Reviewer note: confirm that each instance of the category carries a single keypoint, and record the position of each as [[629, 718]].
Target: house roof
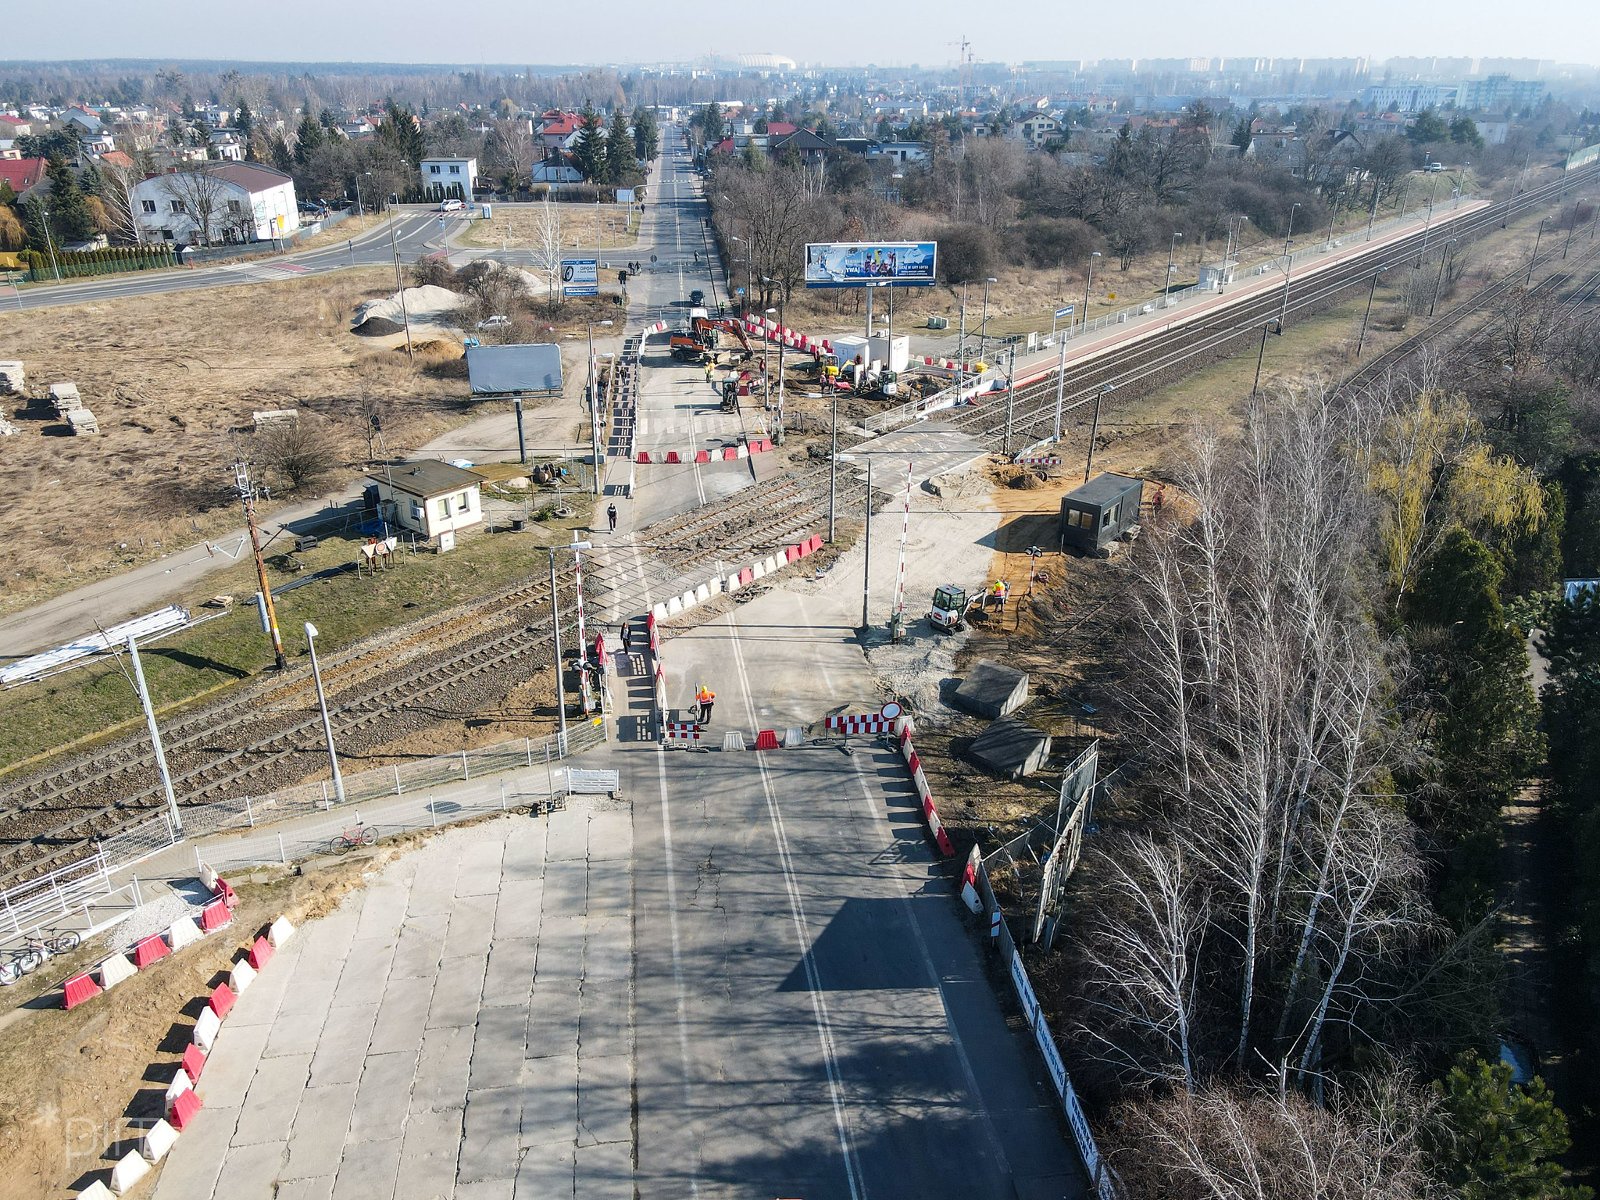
[[118, 159], [562, 125], [252, 177], [427, 478], [22, 173], [10, 120], [1103, 489], [780, 128], [800, 139]]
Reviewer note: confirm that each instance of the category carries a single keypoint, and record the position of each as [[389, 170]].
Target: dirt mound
[[423, 305], [378, 327], [439, 350]]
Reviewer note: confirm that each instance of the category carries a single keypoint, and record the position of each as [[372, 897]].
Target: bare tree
[[371, 410], [509, 152], [199, 194], [121, 206], [547, 249], [297, 452]]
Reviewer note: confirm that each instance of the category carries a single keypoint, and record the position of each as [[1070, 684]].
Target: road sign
[[738, 291], [1065, 312], [890, 711]]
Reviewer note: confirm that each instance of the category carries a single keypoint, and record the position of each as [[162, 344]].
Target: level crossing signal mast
[[246, 488]]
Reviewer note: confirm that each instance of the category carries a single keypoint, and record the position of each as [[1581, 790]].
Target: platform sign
[[1066, 312], [580, 276], [871, 264]]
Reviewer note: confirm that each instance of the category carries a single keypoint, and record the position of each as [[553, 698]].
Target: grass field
[[583, 227], [97, 701]]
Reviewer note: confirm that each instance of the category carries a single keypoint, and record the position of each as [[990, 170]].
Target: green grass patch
[[97, 701]]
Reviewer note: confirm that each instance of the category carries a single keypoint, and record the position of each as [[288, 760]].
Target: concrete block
[[115, 969], [757, 571], [702, 593], [280, 932], [1010, 748], [991, 690], [130, 1169], [771, 563], [183, 932], [206, 1028], [674, 606], [158, 1139], [180, 1083], [242, 976], [95, 1191]]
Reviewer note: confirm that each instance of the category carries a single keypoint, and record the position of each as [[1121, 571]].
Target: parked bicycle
[[34, 954], [356, 835]]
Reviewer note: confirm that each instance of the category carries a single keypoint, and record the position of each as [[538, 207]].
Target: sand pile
[[433, 306]]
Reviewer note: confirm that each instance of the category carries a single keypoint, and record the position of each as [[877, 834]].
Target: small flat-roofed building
[[429, 497], [1101, 511]]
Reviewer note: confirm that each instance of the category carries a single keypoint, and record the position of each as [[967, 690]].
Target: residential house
[[15, 127], [23, 174], [810, 148], [234, 202], [557, 168], [85, 123], [899, 152], [441, 175], [358, 128], [429, 497], [227, 145], [1035, 131], [118, 160], [8, 148], [559, 130]]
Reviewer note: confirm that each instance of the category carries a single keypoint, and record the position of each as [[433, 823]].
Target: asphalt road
[[415, 232]]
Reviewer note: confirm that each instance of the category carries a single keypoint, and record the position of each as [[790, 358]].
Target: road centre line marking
[[819, 1007]]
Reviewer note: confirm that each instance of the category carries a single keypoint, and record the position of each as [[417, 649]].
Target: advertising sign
[[580, 276], [871, 264], [1583, 157]]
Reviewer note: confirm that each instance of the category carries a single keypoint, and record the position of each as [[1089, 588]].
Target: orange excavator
[[698, 343]]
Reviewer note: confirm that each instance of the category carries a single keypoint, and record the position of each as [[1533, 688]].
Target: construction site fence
[[1320, 244], [1022, 986]]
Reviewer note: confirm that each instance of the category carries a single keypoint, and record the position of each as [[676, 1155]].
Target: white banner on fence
[[1019, 980]]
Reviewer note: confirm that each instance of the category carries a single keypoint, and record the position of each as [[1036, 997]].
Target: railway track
[[270, 736]]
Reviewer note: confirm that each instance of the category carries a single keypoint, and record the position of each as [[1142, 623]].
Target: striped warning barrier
[[78, 989], [858, 723], [903, 727], [683, 731], [1037, 460]]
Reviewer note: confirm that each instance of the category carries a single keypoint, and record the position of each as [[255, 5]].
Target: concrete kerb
[[903, 728]]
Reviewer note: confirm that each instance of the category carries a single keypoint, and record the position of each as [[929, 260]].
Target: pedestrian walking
[[611, 517], [627, 637], [704, 697]]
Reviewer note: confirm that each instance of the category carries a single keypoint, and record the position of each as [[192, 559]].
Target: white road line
[[677, 962], [797, 912], [694, 444]]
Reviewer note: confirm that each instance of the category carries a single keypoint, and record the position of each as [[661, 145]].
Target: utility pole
[[247, 496], [522, 444], [155, 737], [555, 622], [1094, 429], [1572, 228], [833, 467], [1438, 283], [1061, 388], [961, 343], [1011, 367], [1534, 257], [322, 703], [866, 568], [1261, 356], [1371, 292]]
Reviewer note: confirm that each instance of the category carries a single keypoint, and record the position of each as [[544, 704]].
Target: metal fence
[[946, 397]]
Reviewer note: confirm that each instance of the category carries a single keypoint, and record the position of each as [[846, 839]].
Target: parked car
[[450, 205], [494, 322], [697, 298]]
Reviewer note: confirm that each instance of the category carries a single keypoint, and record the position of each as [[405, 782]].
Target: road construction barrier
[[1037, 460], [683, 731], [115, 969], [96, 1191], [194, 1062], [158, 1139], [78, 989], [222, 1000], [767, 739], [758, 570], [279, 932], [793, 738], [208, 876], [130, 1169], [183, 932], [733, 740], [180, 1084], [260, 953], [771, 564], [206, 1027], [150, 950], [215, 915], [184, 1110], [242, 976], [903, 727], [848, 723]]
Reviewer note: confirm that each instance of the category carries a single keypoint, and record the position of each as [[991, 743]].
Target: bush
[[297, 452], [1052, 242], [966, 253]]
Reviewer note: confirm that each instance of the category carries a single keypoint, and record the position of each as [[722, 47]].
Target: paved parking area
[[461, 1027]]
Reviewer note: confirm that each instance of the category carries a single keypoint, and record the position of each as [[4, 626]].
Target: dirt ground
[[81, 1086], [174, 380], [583, 227]]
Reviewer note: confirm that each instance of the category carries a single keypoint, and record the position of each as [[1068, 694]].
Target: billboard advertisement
[[580, 276], [869, 264]]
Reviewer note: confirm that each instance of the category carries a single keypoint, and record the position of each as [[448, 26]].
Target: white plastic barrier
[[184, 932], [130, 1169], [758, 570], [674, 606], [280, 932], [115, 969], [241, 977], [95, 1191], [206, 1028], [702, 593], [158, 1139], [180, 1084], [208, 876]]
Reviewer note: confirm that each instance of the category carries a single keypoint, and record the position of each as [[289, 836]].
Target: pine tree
[[309, 139], [245, 120], [646, 136], [402, 132], [70, 218], [589, 153], [1503, 1141], [619, 151]]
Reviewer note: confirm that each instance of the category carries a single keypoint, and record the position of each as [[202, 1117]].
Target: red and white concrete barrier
[[848, 723], [903, 727]]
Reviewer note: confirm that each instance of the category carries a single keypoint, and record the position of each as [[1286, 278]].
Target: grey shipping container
[[1101, 511]]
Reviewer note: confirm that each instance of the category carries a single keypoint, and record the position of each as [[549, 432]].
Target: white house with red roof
[[12, 126], [23, 174], [560, 130]]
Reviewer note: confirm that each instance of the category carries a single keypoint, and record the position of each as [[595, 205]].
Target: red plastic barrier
[[643, 456], [228, 895], [184, 1109], [78, 989], [672, 457], [194, 1061], [914, 764], [767, 739], [260, 953], [816, 542], [745, 576], [222, 1000], [702, 456], [215, 915], [152, 949], [729, 454], [803, 549]]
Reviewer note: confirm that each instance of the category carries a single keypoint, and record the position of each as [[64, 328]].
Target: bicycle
[[356, 835], [34, 954]]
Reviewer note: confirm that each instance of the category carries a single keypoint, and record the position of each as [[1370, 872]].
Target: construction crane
[[964, 68]]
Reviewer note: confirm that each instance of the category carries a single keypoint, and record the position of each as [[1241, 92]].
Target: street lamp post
[[1573, 227], [1438, 283], [1094, 427], [594, 405], [50, 242], [1166, 286], [1087, 284], [394, 249], [1461, 184], [749, 272], [360, 210], [322, 703]]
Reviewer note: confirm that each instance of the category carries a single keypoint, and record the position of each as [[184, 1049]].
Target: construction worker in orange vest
[[997, 594], [704, 697]]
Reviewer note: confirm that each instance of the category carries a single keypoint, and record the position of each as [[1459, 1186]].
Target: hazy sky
[[839, 32]]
